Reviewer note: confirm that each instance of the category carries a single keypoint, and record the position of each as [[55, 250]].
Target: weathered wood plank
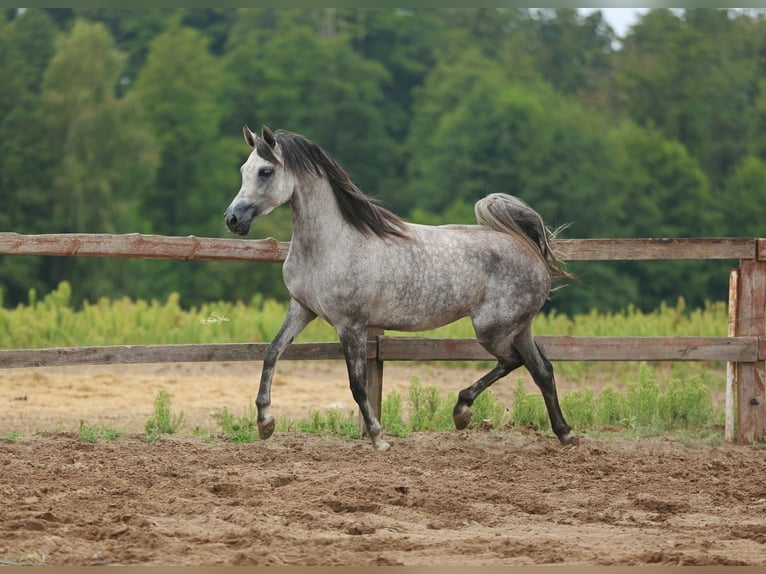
[[655, 249], [191, 248], [739, 349], [374, 376], [751, 321], [761, 249], [136, 245], [131, 354], [736, 349], [731, 368]]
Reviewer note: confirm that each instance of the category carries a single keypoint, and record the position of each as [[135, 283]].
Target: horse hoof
[[381, 445], [569, 440], [266, 428], [462, 416]]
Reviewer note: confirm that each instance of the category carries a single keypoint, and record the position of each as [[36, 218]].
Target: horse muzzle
[[238, 217]]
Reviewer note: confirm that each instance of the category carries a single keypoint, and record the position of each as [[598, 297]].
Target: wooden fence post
[[731, 367], [374, 377], [751, 321]]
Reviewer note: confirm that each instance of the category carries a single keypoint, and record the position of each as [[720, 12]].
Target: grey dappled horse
[[357, 265]]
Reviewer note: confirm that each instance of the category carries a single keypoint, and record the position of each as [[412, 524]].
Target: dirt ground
[[455, 498]]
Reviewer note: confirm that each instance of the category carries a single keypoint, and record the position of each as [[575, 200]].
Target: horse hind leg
[[461, 414], [353, 341], [541, 370]]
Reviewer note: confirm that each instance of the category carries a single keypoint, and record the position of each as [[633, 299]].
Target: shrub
[[579, 408], [642, 399], [610, 407], [529, 409], [238, 429], [163, 420], [391, 415]]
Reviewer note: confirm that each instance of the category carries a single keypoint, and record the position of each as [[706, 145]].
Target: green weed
[[163, 421], [88, 433], [392, 416], [12, 436], [611, 409], [330, 422], [487, 410], [427, 411], [642, 399], [238, 429], [579, 408], [685, 404], [528, 409]]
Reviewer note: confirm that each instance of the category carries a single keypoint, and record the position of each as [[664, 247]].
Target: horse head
[[265, 182]]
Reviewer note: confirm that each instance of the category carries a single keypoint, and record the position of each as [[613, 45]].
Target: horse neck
[[315, 213]]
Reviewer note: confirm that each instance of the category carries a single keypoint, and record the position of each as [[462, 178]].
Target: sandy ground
[[122, 396], [455, 498]]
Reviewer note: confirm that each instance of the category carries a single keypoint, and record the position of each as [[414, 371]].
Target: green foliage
[[330, 422], [178, 90], [486, 409], [579, 408], [611, 409], [642, 399], [685, 404], [163, 421], [12, 436], [392, 415], [89, 433], [528, 409], [240, 429], [427, 411], [650, 406]]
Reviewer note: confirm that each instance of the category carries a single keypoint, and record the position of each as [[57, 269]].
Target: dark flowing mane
[[304, 157]]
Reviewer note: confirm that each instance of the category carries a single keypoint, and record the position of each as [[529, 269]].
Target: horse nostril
[[232, 219]]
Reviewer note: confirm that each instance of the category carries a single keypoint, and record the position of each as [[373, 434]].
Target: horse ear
[[268, 137], [250, 137]]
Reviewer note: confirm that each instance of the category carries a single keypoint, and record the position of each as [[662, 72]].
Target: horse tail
[[509, 214]]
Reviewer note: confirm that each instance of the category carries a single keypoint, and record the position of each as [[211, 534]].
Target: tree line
[[119, 121]]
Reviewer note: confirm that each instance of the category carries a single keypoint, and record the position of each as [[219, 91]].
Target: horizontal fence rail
[[744, 349], [191, 248], [730, 349]]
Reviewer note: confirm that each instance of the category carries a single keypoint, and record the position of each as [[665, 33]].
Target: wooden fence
[[744, 349]]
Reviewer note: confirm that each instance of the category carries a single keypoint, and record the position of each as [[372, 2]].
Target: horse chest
[[311, 282]]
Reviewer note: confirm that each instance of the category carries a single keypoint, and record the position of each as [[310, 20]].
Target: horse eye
[[265, 172]]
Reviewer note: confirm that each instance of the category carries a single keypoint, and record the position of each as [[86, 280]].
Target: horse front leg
[[354, 343], [295, 321]]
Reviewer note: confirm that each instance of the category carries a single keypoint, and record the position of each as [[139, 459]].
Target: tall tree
[[179, 92], [25, 44], [296, 79], [101, 154], [573, 52], [692, 76], [133, 30]]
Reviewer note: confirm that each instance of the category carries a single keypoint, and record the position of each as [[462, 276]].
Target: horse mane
[[304, 157]]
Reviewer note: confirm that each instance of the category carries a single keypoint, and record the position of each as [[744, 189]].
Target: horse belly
[[426, 303]]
